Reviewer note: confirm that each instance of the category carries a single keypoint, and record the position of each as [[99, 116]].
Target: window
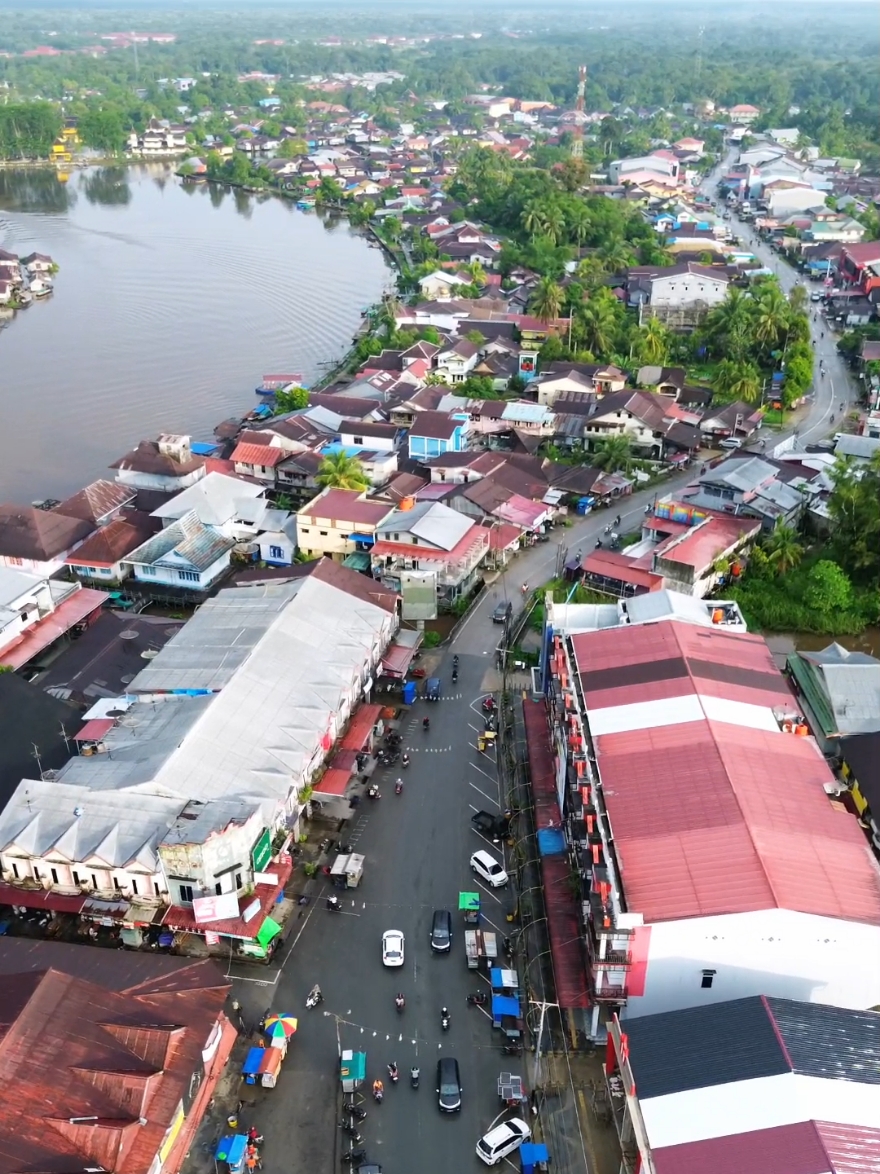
[[15, 871], [116, 885], [188, 576], [148, 570], [94, 881], [14, 562], [186, 894], [358, 439], [156, 890], [276, 552], [218, 888], [304, 529], [707, 979], [54, 872], [134, 887], [323, 533], [36, 872], [238, 880]]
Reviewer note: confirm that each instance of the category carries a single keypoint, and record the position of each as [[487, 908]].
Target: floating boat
[[269, 384]]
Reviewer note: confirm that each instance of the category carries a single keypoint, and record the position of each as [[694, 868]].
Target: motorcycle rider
[[426, 723], [378, 1089], [399, 1001], [393, 1071]]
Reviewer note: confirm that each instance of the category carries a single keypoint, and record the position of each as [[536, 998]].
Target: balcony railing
[[605, 993]]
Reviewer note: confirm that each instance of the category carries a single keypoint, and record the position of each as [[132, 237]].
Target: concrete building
[[339, 522]]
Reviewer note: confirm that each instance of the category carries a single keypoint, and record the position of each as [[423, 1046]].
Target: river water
[[170, 303]]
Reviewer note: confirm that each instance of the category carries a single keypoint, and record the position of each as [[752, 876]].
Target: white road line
[[489, 921], [483, 793], [488, 892], [491, 778]]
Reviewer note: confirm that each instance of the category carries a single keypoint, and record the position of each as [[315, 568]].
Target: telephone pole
[[577, 144]]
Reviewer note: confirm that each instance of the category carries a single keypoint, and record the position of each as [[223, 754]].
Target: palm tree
[[771, 316], [612, 454], [340, 470], [616, 255], [797, 299], [547, 300], [654, 341], [734, 380], [783, 549], [731, 316], [532, 219], [597, 326], [579, 224], [553, 223]]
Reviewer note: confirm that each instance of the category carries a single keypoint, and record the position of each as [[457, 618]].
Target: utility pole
[[577, 144]]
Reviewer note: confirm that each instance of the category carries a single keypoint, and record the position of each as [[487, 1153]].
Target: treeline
[[28, 130]]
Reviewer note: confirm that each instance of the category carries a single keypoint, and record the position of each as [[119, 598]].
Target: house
[[339, 522], [36, 612], [367, 434], [454, 363], [738, 420], [758, 1084], [839, 691], [99, 503], [428, 539], [648, 421], [186, 555], [441, 285], [100, 559], [259, 455], [432, 434], [238, 510], [39, 540], [167, 464], [38, 263], [859, 268], [751, 487], [685, 908], [743, 114], [576, 380], [682, 294], [120, 1108]]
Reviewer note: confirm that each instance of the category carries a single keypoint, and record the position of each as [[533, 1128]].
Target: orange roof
[[266, 455]]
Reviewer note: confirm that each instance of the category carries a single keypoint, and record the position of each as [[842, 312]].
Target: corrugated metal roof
[[265, 455], [788, 1149], [186, 540], [836, 1043]]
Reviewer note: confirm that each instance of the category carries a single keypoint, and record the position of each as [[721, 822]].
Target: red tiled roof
[[259, 454], [333, 782], [346, 506], [612, 565], [94, 730], [70, 612], [41, 899], [361, 724]]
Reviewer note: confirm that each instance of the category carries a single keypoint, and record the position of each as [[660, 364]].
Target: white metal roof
[[675, 711], [214, 499], [723, 1109]]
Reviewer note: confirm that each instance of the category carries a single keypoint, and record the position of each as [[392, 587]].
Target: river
[[171, 301]]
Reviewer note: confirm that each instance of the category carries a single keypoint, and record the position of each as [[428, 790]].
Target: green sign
[[261, 853]]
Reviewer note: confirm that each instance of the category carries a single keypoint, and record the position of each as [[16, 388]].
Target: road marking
[[488, 892], [491, 778], [488, 798], [497, 929]]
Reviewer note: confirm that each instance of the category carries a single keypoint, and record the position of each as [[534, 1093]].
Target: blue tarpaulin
[[505, 1005], [551, 842], [231, 1149], [530, 1154]]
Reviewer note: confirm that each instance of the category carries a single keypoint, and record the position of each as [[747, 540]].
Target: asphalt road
[[417, 847]]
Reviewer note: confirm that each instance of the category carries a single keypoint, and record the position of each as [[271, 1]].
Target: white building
[[186, 555], [683, 285], [716, 865], [166, 464]]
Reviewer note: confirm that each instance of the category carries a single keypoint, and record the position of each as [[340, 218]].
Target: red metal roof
[[94, 730], [70, 612], [615, 566], [710, 539], [397, 659], [787, 1149], [358, 733], [41, 899], [344, 760], [345, 506], [267, 455], [569, 975], [333, 782], [713, 818]]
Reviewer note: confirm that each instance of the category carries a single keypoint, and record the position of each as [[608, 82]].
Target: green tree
[[103, 129], [771, 316], [784, 552], [290, 148], [654, 341], [738, 381], [329, 191], [291, 399], [597, 326], [854, 509], [612, 454], [340, 470], [828, 588], [547, 300]]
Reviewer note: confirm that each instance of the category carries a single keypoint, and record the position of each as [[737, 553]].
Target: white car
[[486, 866], [730, 442], [392, 947], [502, 1140]]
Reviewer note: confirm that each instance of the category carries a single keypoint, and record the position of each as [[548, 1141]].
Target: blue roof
[[505, 1005], [202, 449], [551, 842]]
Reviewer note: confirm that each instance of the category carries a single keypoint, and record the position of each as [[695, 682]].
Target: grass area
[[779, 604]]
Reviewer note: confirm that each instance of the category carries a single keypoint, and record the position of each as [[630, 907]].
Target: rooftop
[[97, 501], [434, 426], [214, 498], [39, 535], [715, 810], [344, 505], [185, 542]]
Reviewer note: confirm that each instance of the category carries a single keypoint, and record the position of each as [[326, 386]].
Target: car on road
[[441, 931], [502, 1140], [730, 442], [487, 867], [392, 947], [448, 1085], [502, 612], [815, 296]]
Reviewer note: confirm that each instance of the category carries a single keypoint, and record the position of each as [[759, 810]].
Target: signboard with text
[[261, 853]]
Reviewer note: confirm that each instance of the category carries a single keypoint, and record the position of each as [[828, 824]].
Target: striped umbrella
[[280, 1026]]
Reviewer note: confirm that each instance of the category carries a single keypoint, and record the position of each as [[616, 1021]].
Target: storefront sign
[[261, 853]]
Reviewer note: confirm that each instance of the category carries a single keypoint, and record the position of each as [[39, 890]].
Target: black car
[[441, 931], [502, 613], [448, 1085], [493, 827]]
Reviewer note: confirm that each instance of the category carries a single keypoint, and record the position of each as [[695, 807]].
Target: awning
[[358, 733], [551, 842], [41, 899], [397, 659], [334, 782], [99, 910], [95, 730], [505, 1005], [358, 560], [367, 539], [344, 760]]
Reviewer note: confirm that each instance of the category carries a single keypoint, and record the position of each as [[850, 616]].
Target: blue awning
[[551, 842], [505, 1005], [367, 539], [231, 1148]]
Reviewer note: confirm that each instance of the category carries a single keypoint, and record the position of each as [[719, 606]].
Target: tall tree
[[612, 454], [547, 300], [783, 549], [654, 341], [740, 381], [597, 326], [340, 470]]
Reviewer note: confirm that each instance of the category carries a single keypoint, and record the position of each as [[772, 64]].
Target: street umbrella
[[280, 1026]]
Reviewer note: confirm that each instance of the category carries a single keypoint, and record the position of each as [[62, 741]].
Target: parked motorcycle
[[512, 1049], [350, 1131], [355, 1111], [478, 999], [354, 1156], [373, 792], [444, 1019]]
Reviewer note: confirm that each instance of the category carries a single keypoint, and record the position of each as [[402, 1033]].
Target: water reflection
[[39, 190], [244, 205], [107, 185], [217, 194]]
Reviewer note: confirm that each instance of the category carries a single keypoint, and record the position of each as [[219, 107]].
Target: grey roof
[[14, 584], [852, 684], [83, 825], [198, 821], [857, 446], [430, 521], [185, 541], [214, 499], [743, 473]]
